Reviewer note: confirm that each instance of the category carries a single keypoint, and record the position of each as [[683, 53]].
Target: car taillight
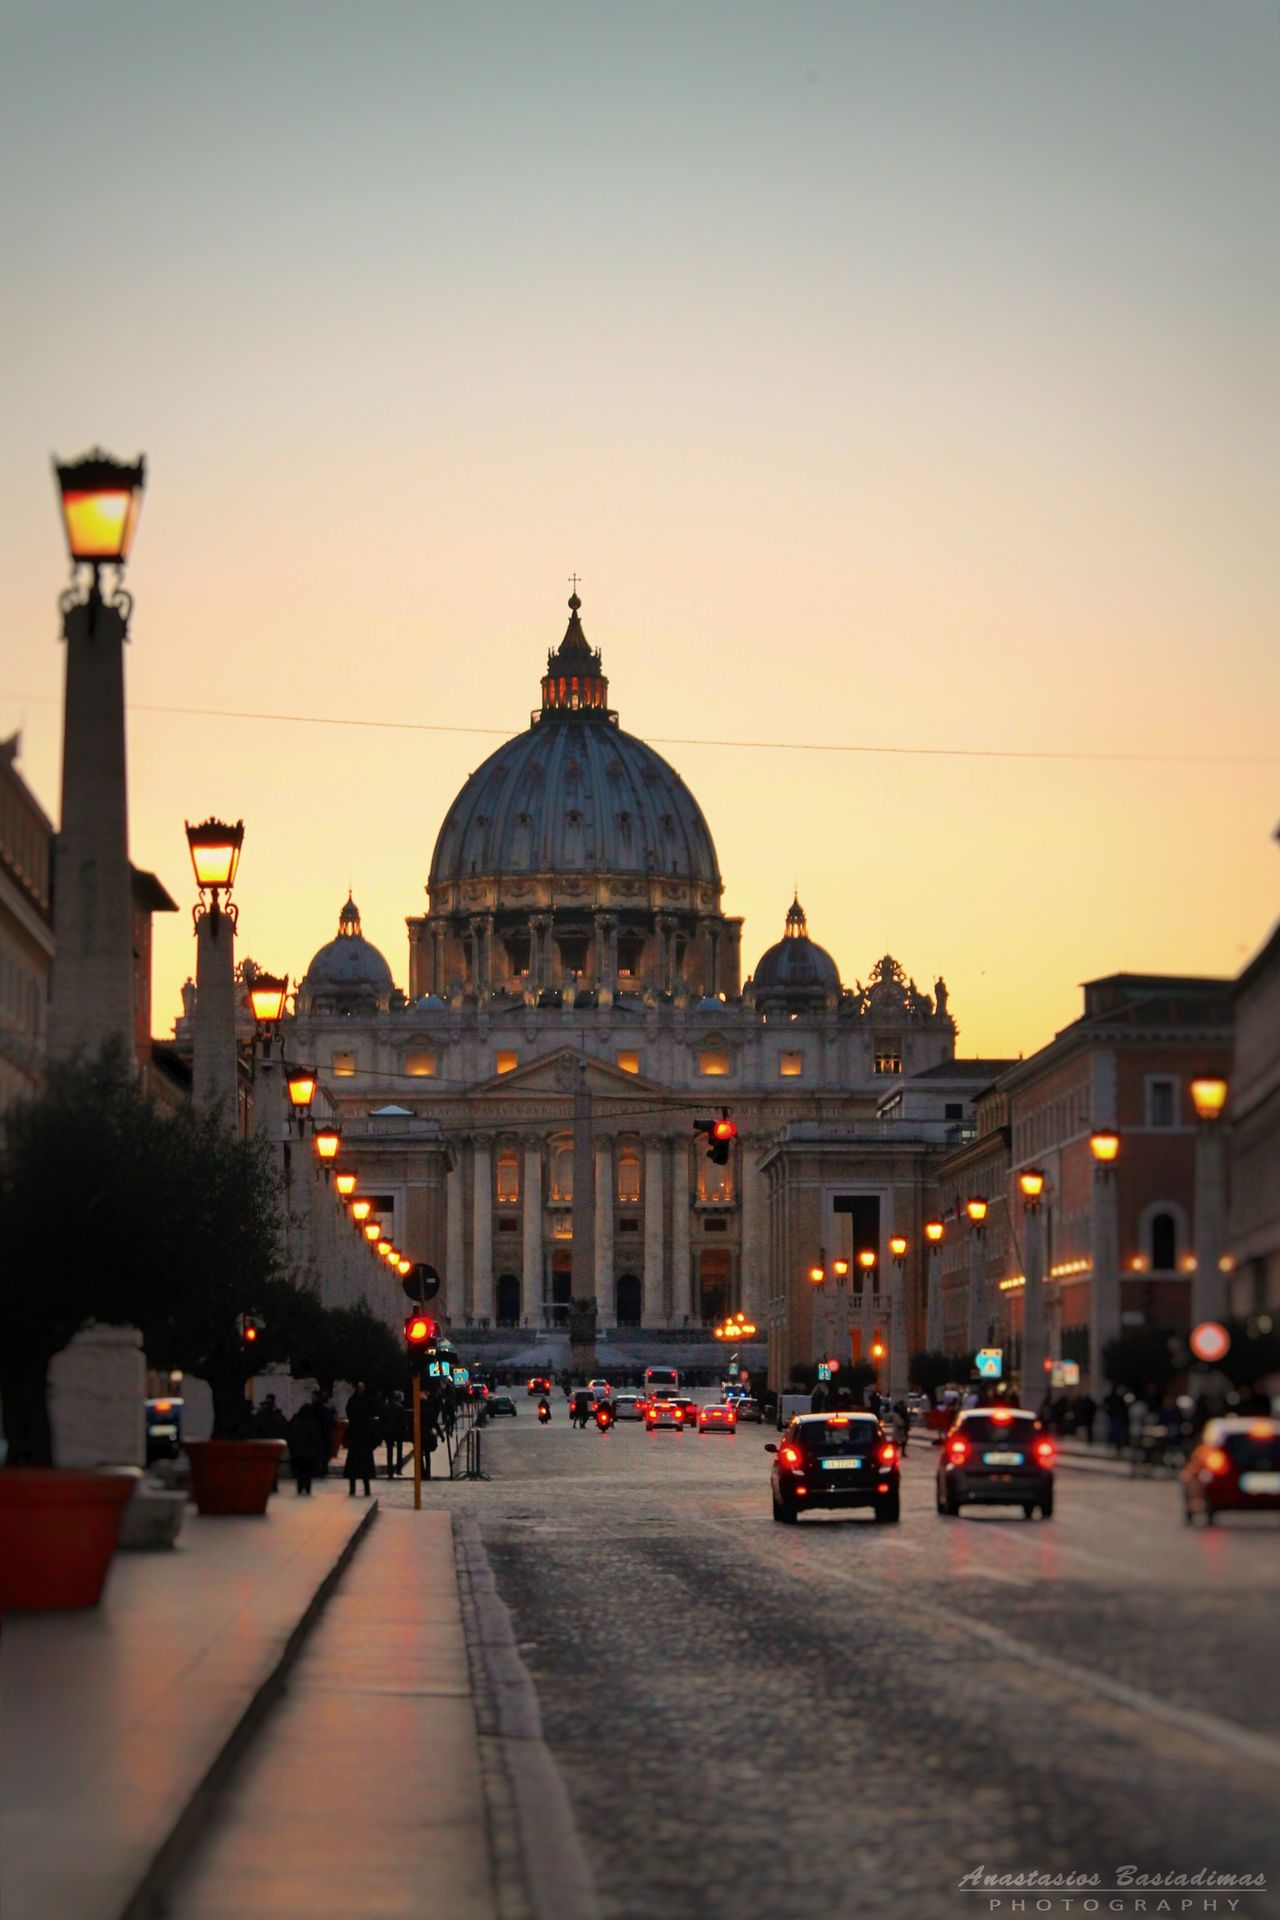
[[790, 1455], [1044, 1452], [1216, 1461], [888, 1454], [958, 1450]]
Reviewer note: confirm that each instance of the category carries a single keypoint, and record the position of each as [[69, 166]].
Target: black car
[[164, 1429], [500, 1403], [834, 1460], [996, 1457]]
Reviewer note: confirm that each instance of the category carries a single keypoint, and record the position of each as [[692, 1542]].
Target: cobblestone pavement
[[751, 1719]]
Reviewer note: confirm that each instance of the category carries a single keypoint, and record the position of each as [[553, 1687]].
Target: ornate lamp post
[[898, 1381], [866, 1259], [1209, 1283], [215, 858], [300, 1085], [326, 1141], [92, 991], [1031, 1186], [1104, 1305], [345, 1184], [976, 1209], [935, 1334]]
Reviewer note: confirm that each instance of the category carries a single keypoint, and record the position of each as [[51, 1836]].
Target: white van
[[790, 1404]]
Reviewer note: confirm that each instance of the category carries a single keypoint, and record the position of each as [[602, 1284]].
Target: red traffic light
[[725, 1129], [250, 1334], [419, 1330]]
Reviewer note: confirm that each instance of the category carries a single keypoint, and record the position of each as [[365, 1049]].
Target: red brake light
[[888, 1454], [163, 1406], [958, 1450], [791, 1455], [838, 1420], [1044, 1451], [1216, 1460]]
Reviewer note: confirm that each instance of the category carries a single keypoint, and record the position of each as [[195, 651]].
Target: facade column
[[486, 965], [976, 1335], [531, 1285], [213, 1024], [605, 1288], [682, 1312], [752, 1263], [454, 1289], [654, 1311], [482, 1231]]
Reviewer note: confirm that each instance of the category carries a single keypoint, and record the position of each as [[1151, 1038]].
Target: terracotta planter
[[58, 1530], [233, 1476]]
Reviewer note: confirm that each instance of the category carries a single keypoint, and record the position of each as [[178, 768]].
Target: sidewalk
[[111, 1720], [363, 1796]]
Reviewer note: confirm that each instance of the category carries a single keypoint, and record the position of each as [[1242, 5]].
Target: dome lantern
[[575, 681]]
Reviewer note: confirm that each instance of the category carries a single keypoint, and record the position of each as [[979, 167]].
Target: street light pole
[[935, 1333], [1209, 1284], [898, 1359], [1032, 1383], [1104, 1314], [215, 857], [976, 1209]]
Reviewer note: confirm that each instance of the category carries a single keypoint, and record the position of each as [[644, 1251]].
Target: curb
[[540, 1869], [146, 1902]]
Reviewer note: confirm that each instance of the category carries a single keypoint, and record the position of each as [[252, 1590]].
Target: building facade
[[26, 929]]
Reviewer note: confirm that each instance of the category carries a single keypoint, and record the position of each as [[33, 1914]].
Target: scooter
[[544, 1413], [604, 1417]]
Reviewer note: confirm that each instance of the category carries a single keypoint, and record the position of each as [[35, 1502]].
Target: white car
[[628, 1406]]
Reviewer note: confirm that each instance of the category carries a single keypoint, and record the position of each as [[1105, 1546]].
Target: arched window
[[1164, 1243], [508, 1176], [562, 1170], [628, 1169]]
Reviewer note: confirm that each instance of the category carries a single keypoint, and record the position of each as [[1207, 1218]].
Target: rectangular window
[[508, 1062], [344, 1065], [888, 1059], [1162, 1103], [628, 1177], [715, 1184], [715, 1224], [629, 1062], [790, 1065], [508, 1178], [420, 1062], [954, 1110], [713, 1062], [629, 1226], [507, 1224]]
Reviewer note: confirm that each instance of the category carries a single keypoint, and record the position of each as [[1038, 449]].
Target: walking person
[[900, 1426], [362, 1437], [306, 1443], [328, 1415]]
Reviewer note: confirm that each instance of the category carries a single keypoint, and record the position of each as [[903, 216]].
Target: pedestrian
[[1087, 1409], [362, 1437], [306, 1442], [393, 1420], [901, 1426], [269, 1422], [328, 1423]]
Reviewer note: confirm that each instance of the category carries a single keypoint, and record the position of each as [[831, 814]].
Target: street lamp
[[867, 1260], [327, 1140], [934, 1332], [360, 1211], [373, 1231], [215, 856], [898, 1246], [840, 1268], [1209, 1287], [1104, 1312], [404, 1268], [976, 1208], [101, 501], [1031, 1186], [898, 1382], [300, 1083], [817, 1274], [345, 1184]]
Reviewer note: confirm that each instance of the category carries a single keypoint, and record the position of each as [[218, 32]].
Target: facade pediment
[[558, 1073]]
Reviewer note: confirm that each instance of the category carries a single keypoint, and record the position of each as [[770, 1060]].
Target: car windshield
[[985, 1428], [839, 1436]]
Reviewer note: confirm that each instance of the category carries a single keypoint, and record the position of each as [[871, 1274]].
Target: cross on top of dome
[[574, 681]]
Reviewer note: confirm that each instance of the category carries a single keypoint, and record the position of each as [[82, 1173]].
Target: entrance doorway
[[715, 1275], [508, 1302], [629, 1300]]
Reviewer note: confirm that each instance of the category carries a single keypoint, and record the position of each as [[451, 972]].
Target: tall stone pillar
[[681, 1256], [213, 1035], [91, 998], [482, 1231], [898, 1356], [454, 1289], [976, 1334], [539, 950], [1034, 1380], [531, 1286], [1104, 1294], [655, 1308], [935, 1336], [753, 1261], [604, 1288]]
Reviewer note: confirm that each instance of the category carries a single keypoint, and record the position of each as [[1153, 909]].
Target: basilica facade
[[522, 1109]]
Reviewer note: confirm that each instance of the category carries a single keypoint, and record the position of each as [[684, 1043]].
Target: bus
[[662, 1381]]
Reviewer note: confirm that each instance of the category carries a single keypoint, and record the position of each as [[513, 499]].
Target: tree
[[930, 1368], [351, 1343]]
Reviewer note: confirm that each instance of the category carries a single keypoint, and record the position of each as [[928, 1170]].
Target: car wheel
[[784, 1513], [1208, 1515], [888, 1512], [1046, 1507], [1028, 1509], [953, 1505], [1188, 1517]]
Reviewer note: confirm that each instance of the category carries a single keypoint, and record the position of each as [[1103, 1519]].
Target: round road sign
[[1210, 1341]]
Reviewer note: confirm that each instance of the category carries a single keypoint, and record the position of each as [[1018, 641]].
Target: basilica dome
[[349, 974], [796, 972], [574, 794]]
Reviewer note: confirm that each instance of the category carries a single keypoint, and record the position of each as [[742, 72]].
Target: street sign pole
[[417, 1444]]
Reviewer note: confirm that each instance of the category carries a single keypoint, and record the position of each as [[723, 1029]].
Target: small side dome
[[795, 973], [349, 975]]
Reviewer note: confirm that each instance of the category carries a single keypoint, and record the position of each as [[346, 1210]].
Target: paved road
[[751, 1719]]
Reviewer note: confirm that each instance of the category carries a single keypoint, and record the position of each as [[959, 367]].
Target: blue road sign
[[990, 1363]]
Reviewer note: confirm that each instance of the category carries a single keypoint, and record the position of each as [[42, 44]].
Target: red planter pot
[[58, 1530], [233, 1476]]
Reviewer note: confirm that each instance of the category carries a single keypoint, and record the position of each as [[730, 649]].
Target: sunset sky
[[895, 376]]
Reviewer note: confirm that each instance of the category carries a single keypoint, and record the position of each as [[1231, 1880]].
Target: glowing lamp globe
[[301, 1082], [1031, 1183], [817, 1275], [898, 1245], [372, 1231], [933, 1231], [1209, 1097], [840, 1268], [101, 500], [267, 997], [327, 1141], [866, 1259], [404, 1268], [976, 1209], [1104, 1146], [345, 1183], [360, 1211], [215, 852]]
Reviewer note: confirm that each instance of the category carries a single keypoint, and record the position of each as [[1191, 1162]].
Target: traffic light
[[720, 1134], [420, 1339], [252, 1327]]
